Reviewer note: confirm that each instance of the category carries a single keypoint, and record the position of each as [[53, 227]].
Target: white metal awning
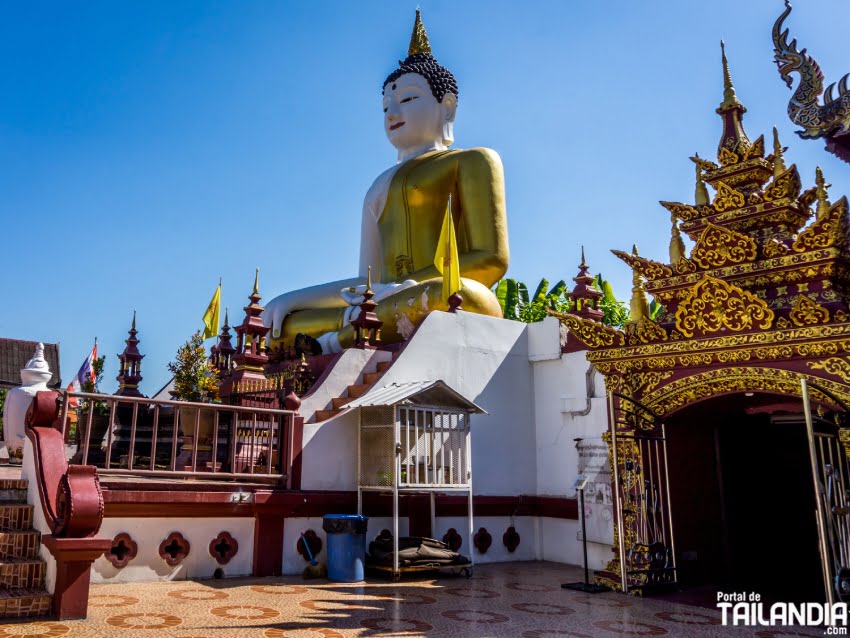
[[430, 393]]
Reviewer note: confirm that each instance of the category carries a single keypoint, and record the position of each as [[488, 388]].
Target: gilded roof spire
[[729, 97], [823, 199], [638, 306], [778, 161], [677, 245], [734, 142], [701, 197], [419, 38], [257, 281]]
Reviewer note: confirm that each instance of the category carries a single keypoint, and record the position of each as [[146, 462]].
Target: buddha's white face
[[413, 118]]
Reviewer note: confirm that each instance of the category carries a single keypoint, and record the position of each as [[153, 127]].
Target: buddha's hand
[[353, 296], [276, 311]]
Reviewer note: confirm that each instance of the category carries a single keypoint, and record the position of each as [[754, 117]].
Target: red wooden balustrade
[[138, 436]]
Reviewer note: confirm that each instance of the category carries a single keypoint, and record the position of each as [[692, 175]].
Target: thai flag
[[86, 373]]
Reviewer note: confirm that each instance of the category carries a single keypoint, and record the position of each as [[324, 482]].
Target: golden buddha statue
[[403, 213]]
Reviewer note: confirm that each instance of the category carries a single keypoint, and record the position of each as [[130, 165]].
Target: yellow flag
[[211, 316], [446, 259]]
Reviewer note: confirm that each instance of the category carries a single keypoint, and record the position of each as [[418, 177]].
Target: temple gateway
[[683, 449]]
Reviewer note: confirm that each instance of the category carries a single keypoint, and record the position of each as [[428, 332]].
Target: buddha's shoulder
[[482, 158]]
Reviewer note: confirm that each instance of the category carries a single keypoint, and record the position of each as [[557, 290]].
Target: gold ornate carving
[[774, 248], [714, 306], [727, 198], [828, 231], [692, 389], [727, 157], [787, 185], [644, 331], [782, 323], [718, 247], [756, 150], [682, 211], [645, 267], [592, 334], [808, 313], [836, 366], [685, 266], [841, 316]]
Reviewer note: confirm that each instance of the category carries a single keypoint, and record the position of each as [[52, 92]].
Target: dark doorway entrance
[[742, 501]]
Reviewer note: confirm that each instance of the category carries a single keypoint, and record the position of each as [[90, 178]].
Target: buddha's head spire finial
[[583, 263], [421, 60], [257, 282], [419, 38]]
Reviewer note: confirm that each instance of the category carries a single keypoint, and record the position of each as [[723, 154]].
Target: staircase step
[[358, 390], [22, 573], [371, 377], [24, 603], [383, 365], [339, 402], [13, 490], [15, 516], [19, 544], [324, 415]]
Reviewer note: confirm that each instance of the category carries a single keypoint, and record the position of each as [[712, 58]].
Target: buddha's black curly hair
[[440, 79]]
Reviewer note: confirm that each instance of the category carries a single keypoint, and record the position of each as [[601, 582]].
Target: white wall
[[486, 360], [148, 533], [560, 388], [329, 448]]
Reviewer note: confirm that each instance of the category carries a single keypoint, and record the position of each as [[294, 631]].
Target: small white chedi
[[34, 378]]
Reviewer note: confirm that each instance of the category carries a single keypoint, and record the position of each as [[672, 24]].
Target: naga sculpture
[[829, 120]]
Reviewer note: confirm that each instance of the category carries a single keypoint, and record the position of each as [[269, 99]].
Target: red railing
[[145, 437]]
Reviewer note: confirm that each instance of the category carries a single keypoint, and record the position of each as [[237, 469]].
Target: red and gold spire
[[130, 371]]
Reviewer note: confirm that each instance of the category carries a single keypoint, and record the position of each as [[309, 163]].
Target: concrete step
[[19, 544], [370, 378], [324, 415], [13, 490], [358, 390], [17, 573], [15, 516], [24, 603], [339, 402]]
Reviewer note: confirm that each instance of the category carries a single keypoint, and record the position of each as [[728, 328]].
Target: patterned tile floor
[[522, 600]]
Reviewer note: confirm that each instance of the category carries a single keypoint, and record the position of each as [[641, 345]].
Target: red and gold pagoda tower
[[130, 371], [759, 303]]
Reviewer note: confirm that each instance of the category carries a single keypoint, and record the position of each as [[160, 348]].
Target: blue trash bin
[[346, 546]]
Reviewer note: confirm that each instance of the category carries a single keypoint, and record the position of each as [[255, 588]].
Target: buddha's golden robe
[[409, 229]]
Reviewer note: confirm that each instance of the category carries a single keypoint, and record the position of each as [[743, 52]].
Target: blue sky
[[148, 148]]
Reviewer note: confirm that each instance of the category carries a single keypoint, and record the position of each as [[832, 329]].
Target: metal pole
[[620, 527], [584, 537], [396, 477], [669, 503], [816, 487], [471, 528]]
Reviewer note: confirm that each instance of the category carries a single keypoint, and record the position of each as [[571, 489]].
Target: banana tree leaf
[[540, 293], [522, 292], [557, 290], [501, 294]]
